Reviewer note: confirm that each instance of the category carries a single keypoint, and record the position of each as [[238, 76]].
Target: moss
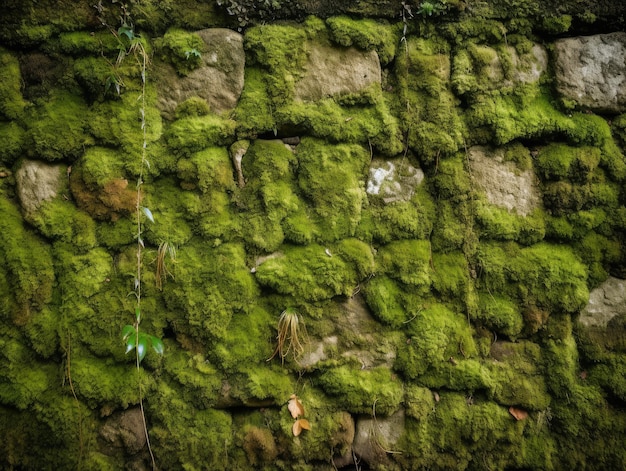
[[253, 113], [599, 253], [407, 261], [366, 34], [544, 274], [57, 128], [59, 219], [310, 273], [363, 391], [192, 107], [450, 277], [227, 288], [192, 134], [12, 141], [559, 161], [182, 49], [500, 315], [331, 177], [11, 102], [27, 262], [435, 335], [97, 77], [190, 437], [499, 224], [80, 43], [385, 298]]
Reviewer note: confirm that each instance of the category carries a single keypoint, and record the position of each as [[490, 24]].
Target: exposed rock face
[[591, 71], [37, 182], [123, 431], [219, 80], [334, 71], [377, 436], [605, 302], [502, 181], [393, 180]]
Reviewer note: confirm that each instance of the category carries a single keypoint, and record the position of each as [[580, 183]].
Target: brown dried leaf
[[519, 414], [295, 407], [300, 425]]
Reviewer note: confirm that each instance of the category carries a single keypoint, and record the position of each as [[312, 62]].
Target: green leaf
[[148, 213], [142, 345], [137, 314], [126, 31], [130, 343], [157, 344], [127, 331]]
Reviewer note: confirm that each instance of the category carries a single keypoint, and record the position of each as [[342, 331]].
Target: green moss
[[12, 141], [182, 49], [311, 273], [500, 315], [11, 102], [332, 178], [253, 113], [556, 24], [435, 335], [547, 275], [450, 276], [366, 34], [96, 76], [190, 437], [560, 161], [192, 107], [59, 219], [57, 128], [407, 261], [172, 223], [363, 391], [27, 261], [188, 135], [599, 253], [386, 300], [78, 43], [499, 224]]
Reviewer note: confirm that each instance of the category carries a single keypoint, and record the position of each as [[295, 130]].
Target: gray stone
[[219, 80], [37, 182], [375, 437], [504, 184], [591, 71], [123, 431], [393, 180], [333, 71], [605, 302]]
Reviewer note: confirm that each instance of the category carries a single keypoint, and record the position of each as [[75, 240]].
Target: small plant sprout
[[192, 53], [289, 335]]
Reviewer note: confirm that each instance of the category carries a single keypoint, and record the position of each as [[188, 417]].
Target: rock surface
[[219, 80], [37, 182], [503, 183], [592, 72], [393, 180], [337, 71], [605, 302]]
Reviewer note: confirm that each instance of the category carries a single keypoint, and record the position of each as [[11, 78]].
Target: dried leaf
[[300, 425], [295, 406], [519, 414], [436, 396]]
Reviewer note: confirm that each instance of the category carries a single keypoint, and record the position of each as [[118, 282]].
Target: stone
[[219, 80], [591, 71], [393, 180], [605, 302], [331, 71], [123, 431], [37, 182], [375, 437], [504, 184]]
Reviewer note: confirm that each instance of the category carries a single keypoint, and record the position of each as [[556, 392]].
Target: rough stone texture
[[356, 322], [605, 302], [219, 80], [591, 71], [393, 180], [505, 185], [333, 71], [525, 68], [37, 182], [123, 430], [376, 436]]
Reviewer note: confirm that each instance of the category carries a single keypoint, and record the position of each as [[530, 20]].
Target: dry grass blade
[[289, 335], [162, 271]]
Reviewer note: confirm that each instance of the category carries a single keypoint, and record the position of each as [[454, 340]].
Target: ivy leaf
[[130, 343], [157, 344], [148, 213]]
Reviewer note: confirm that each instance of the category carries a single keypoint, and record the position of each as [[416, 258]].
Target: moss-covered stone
[[366, 34]]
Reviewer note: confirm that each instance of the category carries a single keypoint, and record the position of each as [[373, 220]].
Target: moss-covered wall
[[429, 326]]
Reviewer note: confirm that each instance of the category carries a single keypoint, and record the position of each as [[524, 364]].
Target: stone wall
[[392, 240]]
